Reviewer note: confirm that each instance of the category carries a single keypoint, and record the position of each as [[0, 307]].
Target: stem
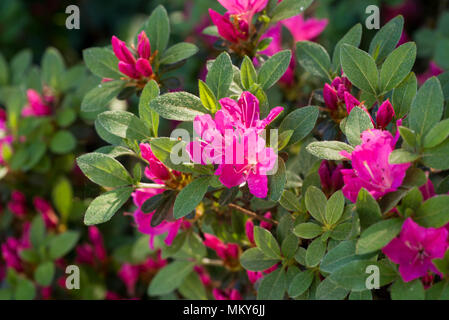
[[212, 262], [252, 214], [151, 185]]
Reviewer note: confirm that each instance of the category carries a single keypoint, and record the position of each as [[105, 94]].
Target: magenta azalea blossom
[[304, 29], [37, 106], [232, 140], [370, 166], [415, 248], [231, 28], [244, 7]]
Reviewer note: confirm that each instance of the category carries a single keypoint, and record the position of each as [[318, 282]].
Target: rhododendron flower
[[224, 251], [155, 170], [330, 176], [90, 253], [47, 212], [229, 294], [231, 140], [385, 114], [427, 190], [370, 166], [415, 248], [129, 274], [253, 276], [12, 247], [36, 106], [17, 205], [129, 65], [231, 28], [244, 7], [304, 29], [433, 71], [204, 275], [334, 94]]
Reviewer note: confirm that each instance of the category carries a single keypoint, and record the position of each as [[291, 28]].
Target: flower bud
[[144, 67], [128, 69], [385, 114], [330, 97], [143, 46], [121, 51]]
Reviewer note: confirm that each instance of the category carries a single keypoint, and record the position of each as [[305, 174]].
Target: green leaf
[[334, 208], [24, 289], [328, 289], [62, 243], [248, 73], [433, 212], [148, 115], [278, 181], [403, 95], [408, 136], [289, 246], [102, 62], [207, 97], [442, 264], [360, 295], [339, 256], [301, 121], [180, 106], [124, 124], [360, 68], [397, 66], [192, 288], [178, 52], [413, 290], [190, 196], [44, 273], [273, 286], [436, 157], [316, 203], [314, 58], [102, 208], [399, 156], [300, 283], [267, 243], [352, 275], [315, 252], [170, 277], [62, 195], [352, 37], [255, 260], [157, 29], [368, 209], [62, 142], [37, 232], [273, 69], [308, 230], [4, 71], [220, 74], [289, 8], [386, 38], [52, 68], [98, 98], [358, 121], [104, 170], [328, 150], [378, 235], [437, 134], [166, 150], [289, 201], [427, 107], [20, 64]]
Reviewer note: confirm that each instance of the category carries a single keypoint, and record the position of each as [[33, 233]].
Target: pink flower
[[155, 170], [370, 166], [334, 94], [415, 248], [385, 114], [265, 224], [253, 276], [204, 275], [11, 248], [351, 102], [231, 28], [45, 209], [85, 254], [129, 274], [330, 177], [249, 227], [153, 264], [304, 29], [36, 107], [229, 294], [129, 65], [231, 140], [427, 190], [143, 220], [17, 205], [244, 7], [97, 241], [433, 71], [224, 251], [93, 252]]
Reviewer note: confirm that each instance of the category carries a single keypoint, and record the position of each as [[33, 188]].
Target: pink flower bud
[[128, 69], [264, 224], [350, 102], [249, 227], [97, 241], [143, 46], [385, 114], [129, 274], [330, 97], [45, 209], [330, 176], [121, 51], [17, 203], [143, 66]]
